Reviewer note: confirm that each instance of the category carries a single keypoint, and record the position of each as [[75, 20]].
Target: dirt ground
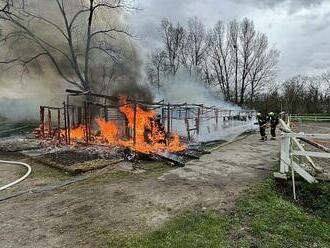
[[117, 200]]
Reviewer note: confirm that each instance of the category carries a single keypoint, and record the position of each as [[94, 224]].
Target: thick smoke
[[187, 89], [23, 89]]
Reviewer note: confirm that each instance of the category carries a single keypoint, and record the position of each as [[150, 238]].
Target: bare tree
[[233, 35], [196, 45], [232, 56], [80, 36], [247, 39], [221, 60], [158, 59], [264, 69], [173, 38], [293, 92]]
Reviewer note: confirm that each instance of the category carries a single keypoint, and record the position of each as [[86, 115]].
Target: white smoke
[[184, 88]]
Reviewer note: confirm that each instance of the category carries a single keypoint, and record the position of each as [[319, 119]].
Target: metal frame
[[91, 105]]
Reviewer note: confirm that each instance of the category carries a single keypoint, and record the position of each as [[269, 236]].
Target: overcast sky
[[300, 29]]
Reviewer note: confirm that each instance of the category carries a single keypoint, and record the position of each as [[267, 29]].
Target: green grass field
[[264, 217]]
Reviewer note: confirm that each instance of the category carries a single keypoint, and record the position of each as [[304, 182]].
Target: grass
[[191, 230], [261, 218], [314, 198], [269, 220]]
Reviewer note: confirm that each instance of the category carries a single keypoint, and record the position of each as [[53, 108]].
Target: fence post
[[285, 154], [59, 123], [42, 121], [134, 123]]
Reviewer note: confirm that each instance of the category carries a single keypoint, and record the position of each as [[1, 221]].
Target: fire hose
[[20, 179]]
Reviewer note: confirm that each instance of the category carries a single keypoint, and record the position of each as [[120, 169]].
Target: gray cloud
[[300, 29], [292, 5]]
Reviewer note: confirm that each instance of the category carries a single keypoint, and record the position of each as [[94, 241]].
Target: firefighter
[[273, 120], [262, 122]]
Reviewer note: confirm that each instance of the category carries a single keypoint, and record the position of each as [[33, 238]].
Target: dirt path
[[109, 203]]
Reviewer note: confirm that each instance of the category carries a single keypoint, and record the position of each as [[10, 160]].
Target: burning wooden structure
[[145, 127]]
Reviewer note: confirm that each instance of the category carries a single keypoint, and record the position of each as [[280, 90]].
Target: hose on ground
[[20, 179]]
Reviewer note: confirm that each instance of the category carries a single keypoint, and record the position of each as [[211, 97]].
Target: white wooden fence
[[292, 148]]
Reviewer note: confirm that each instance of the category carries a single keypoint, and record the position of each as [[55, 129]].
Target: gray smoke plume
[[184, 88], [116, 68]]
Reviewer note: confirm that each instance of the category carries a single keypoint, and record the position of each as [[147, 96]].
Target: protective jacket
[[273, 121]]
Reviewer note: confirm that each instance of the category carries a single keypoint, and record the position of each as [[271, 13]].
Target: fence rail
[[311, 117], [292, 150]]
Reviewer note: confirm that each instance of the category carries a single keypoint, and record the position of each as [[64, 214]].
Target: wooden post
[[168, 123], [163, 116], [79, 115], [49, 123], [127, 132], [285, 155], [134, 123], [68, 118], [105, 110], [68, 123], [217, 116], [293, 184], [65, 124], [198, 120], [42, 121], [86, 122], [188, 128], [90, 118], [58, 124], [73, 117]]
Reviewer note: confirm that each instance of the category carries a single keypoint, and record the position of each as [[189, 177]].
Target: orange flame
[[109, 130], [78, 133], [149, 135]]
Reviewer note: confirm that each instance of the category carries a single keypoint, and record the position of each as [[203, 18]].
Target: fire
[[109, 130], [78, 133], [149, 135]]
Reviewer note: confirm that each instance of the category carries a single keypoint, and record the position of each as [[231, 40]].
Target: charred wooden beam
[[68, 119], [168, 123], [198, 120], [58, 124], [105, 110], [170, 157], [49, 123], [86, 122], [73, 116], [42, 121], [79, 115], [65, 124], [187, 128], [90, 118], [134, 123]]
